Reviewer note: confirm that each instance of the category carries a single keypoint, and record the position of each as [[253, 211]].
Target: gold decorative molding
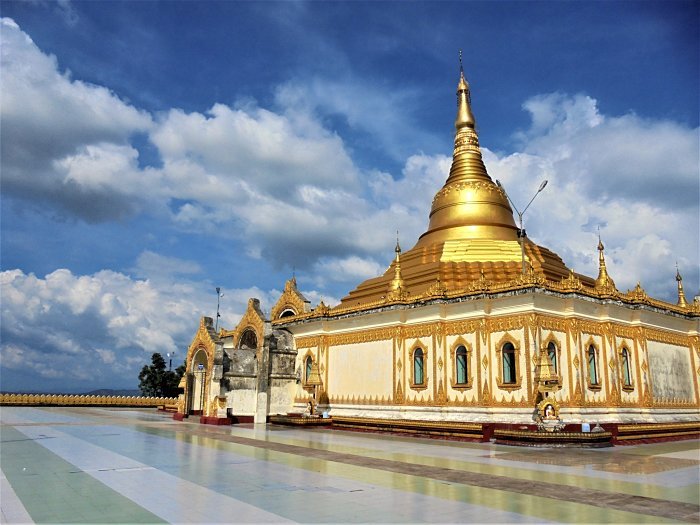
[[437, 289], [290, 302], [7, 399], [398, 396]]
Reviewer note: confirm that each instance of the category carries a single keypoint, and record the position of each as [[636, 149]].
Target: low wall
[[83, 401]]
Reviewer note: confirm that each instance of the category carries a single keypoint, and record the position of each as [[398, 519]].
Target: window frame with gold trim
[[307, 369], [626, 365], [467, 384], [598, 385], [424, 356], [517, 377]]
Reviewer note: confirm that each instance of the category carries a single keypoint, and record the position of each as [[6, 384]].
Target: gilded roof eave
[[483, 287]]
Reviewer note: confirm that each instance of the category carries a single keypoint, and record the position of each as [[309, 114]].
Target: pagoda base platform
[[300, 420], [442, 429], [535, 438]]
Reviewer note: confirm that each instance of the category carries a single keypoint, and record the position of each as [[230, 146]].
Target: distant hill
[[111, 392]]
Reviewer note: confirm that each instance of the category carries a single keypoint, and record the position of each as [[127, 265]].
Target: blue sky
[[152, 151]]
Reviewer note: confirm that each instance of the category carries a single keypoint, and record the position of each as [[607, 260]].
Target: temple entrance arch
[[198, 375]]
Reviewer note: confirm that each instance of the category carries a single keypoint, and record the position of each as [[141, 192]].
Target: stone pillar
[[262, 401]]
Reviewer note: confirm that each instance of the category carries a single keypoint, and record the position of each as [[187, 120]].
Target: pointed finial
[[396, 287], [681, 294], [604, 281], [465, 118]]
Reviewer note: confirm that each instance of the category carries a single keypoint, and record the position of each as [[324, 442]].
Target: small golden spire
[[314, 378], [545, 376], [681, 294], [604, 281], [396, 287]]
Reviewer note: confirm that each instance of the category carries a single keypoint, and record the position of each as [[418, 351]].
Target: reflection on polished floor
[[91, 465]]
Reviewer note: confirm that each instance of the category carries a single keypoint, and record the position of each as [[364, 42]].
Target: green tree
[[156, 381]]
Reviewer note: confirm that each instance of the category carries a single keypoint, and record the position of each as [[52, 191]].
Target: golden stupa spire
[[681, 294], [471, 239], [604, 281], [469, 205]]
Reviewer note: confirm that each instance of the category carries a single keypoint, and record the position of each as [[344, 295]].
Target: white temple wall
[[671, 373], [383, 368], [242, 402], [360, 369], [282, 396]]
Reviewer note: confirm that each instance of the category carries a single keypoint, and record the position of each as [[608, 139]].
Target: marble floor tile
[[104, 465]]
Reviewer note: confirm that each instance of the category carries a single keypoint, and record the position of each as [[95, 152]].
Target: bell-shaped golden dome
[[471, 234], [470, 205]]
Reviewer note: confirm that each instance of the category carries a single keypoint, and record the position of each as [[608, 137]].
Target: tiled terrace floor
[[91, 465]]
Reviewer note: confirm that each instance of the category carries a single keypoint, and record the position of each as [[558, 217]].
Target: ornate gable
[[291, 302], [253, 319], [205, 338]]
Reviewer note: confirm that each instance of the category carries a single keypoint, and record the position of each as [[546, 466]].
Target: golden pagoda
[[475, 325], [471, 230]]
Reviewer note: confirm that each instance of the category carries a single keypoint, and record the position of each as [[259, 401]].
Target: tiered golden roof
[[472, 248], [471, 231]]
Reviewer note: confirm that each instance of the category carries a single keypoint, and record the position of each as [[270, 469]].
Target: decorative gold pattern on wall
[[572, 334], [360, 400]]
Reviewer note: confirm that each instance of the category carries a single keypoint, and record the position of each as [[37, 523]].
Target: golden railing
[[7, 399]]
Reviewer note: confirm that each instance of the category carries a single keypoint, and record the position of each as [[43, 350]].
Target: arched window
[[552, 351], [287, 313], [508, 354], [307, 367], [461, 364], [625, 358], [418, 376], [593, 366]]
